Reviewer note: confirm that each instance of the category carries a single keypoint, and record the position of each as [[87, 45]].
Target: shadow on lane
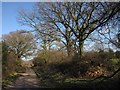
[[27, 81]]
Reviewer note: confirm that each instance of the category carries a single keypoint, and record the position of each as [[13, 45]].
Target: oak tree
[[74, 21], [21, 44]]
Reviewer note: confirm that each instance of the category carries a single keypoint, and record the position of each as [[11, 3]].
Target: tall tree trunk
[[69, 48], [80, 51], [69, 51]]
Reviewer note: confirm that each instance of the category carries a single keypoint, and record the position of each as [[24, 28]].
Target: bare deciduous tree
[[74, 21], [21, 44]]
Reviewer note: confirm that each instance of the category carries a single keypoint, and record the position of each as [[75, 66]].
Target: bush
[[92, 64], [70, 67], [117, 54], [95, 71], [50, 57]]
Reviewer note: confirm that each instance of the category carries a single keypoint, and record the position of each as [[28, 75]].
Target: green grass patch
[[115, 61]]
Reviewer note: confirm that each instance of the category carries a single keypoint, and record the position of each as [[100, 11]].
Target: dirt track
[[27, 80]]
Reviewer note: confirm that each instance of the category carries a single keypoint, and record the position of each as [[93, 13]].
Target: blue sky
[[10, 14]]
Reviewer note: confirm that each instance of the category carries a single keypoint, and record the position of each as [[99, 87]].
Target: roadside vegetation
[[69, 72]]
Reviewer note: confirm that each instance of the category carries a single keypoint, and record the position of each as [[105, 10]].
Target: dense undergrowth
[[74, 73]]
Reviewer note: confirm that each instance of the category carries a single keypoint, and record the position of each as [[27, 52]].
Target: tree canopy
[[72, 21], [21, 44]]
